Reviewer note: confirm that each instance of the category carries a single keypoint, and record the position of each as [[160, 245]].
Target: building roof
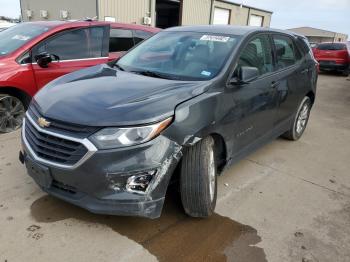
[[247, 6], [311, 31]]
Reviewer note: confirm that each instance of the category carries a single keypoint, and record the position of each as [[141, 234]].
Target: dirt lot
[[286, 202]]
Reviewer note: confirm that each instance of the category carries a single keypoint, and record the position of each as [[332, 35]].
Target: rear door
[[292, 74], [76, 49]]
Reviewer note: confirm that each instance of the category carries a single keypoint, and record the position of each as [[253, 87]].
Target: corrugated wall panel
[[78, 9], [266, 16], [239, 16], [196, 12], [126, 11]]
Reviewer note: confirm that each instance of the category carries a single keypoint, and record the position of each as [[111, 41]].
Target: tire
[[300, 121], [198, 179], [12, 111], [345, 72]]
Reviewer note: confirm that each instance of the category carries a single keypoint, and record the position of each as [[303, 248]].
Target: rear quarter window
[[140, 35], [120, 40]]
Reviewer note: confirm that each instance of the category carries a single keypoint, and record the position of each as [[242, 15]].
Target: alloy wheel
[[302, 118], [11, 113]]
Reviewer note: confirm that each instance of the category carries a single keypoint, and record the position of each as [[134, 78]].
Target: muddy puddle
[[172, 237]]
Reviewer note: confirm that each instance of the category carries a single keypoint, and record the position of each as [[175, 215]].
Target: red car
[[33, 54], [333, 56]]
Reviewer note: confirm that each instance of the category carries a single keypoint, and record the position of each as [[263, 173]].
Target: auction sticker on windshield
[[215, 38]]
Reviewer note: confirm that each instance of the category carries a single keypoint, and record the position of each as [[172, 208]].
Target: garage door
[[256, 20], [221, 16]]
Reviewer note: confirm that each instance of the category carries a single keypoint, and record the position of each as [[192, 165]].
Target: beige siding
[[87, 8], [266, 16], [238, 15], [126, 11], [196, 12]]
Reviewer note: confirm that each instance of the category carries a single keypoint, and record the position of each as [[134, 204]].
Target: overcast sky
[[333, 15]]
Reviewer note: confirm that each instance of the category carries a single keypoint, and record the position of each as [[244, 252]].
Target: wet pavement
[[286, 202], [172, 237]]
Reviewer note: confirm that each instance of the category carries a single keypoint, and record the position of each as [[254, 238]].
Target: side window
[[120, 40], [285, 51], [69, 45], [139, 36], [257, 53]]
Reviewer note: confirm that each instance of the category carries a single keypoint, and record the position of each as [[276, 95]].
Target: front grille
[[52, 148], [62, 127]]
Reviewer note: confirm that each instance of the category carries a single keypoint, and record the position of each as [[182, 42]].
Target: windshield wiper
[[119, 67], [154, 74]]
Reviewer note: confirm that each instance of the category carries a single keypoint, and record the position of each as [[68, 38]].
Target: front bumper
[[98, 184]]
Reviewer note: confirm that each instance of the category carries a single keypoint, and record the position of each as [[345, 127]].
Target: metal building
[[316, 35], [160, 13]]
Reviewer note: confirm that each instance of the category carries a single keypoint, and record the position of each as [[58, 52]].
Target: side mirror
[[246, 74], [44, 59]]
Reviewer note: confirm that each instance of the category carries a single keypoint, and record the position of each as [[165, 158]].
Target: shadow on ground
[[172, 237]]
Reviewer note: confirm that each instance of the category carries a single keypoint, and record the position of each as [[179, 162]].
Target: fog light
[[140, 182]]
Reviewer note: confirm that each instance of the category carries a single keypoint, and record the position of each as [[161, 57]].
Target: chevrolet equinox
[[196, 99]]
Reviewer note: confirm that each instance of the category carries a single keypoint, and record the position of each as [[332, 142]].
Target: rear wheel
[[301, 119], [345, 72], [198, 181], [12, 111]]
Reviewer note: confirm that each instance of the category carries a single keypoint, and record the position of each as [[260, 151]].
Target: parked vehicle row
[[194, 99], [33, 54]]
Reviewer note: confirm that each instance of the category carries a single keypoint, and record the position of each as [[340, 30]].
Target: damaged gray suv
[[193, 99]]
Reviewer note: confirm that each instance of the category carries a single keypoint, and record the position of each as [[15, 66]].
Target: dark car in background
[[33, 54], [194, 99], [333, 57]]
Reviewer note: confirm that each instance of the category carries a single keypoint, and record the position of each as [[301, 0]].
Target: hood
[[103, 96]]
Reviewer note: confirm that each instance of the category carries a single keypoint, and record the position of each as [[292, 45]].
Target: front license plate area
[[41, 174]]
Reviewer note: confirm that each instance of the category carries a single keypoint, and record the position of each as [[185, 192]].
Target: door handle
[[305, 71], [275, 84]]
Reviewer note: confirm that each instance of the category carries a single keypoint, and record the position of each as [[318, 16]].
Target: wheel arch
[[311, 95], [17, 92], [220, 150]]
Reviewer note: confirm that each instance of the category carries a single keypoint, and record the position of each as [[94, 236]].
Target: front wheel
[[301, 119], [198, 181], [12, 111]]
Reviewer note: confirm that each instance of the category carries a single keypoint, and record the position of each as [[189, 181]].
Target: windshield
[[180, 55], [14, 37]]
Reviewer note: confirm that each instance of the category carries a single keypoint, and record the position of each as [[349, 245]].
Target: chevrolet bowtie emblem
[[43, 122]]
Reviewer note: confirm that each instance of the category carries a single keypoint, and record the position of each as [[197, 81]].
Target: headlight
[[113, 137]]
